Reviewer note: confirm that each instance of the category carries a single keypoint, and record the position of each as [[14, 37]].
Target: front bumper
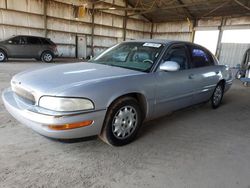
[[39, 122], [228, 85]]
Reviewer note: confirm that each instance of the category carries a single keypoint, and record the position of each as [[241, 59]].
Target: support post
[[152, 30], [45, 17], [193, 31], [6, 4], [125, 21], [218, 49], [92, 29]]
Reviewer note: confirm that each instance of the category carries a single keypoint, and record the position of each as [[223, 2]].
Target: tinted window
[[33, 40], [178, 55], [200, 58], [46, 41], [15, 40]]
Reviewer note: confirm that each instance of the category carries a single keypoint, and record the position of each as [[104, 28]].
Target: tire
[[3, 56], [47, 57], [217, 96], [128, 115]]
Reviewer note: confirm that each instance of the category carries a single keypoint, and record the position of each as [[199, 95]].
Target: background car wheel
[[122, 122], [217, 96], [47, 57], [2, 56]]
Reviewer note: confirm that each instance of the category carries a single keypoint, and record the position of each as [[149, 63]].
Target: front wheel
[[47, 57], [2, 56], [217, 96], [122, 122]]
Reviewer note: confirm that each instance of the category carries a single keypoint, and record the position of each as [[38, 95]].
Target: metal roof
[[173, 10]]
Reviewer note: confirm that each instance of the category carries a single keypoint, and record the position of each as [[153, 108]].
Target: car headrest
[[139, 56]]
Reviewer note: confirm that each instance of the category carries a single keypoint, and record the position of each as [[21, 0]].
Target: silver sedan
[[113, 94]]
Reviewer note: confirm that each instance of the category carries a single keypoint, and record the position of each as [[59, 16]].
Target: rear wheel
[[3, 56], [217, 96], [47, 57], [122, 122]]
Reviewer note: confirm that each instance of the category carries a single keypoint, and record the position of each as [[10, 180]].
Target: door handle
[[191, 76]]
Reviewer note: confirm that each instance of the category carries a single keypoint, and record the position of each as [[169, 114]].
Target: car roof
[[162, 41], [165, 41], [29, 36]]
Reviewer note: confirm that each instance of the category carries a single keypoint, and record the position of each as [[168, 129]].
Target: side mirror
[[170, 66]]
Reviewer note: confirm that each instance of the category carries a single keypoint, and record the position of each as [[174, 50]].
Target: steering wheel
[[148, 61]]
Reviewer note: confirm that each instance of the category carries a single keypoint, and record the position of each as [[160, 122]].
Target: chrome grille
[[23, 93]]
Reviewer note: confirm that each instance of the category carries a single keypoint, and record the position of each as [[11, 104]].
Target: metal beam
[[125, 21], [45, 18], [152, 30], [143, 10], [162, 8], [92, 29], [193, 30], [185, 9], [215, 9], [6, 4], [241, 4], [218, 49], [147, 18]]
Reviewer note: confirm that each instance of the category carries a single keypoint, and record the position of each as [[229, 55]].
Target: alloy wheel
[[2, 56], [48, 57], [217, 95], [124, 122]]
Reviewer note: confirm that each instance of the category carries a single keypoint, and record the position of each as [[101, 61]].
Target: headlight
[[65, 104]]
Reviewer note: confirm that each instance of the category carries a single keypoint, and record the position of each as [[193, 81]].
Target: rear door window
[[200, 57]]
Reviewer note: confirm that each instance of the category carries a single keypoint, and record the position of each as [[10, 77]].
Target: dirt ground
[[194, 148]]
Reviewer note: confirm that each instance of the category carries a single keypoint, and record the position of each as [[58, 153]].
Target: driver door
[[15, 46], [174, 89]]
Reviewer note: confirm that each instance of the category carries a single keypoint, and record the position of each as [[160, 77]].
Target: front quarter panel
[[104, 92], [3, 47]]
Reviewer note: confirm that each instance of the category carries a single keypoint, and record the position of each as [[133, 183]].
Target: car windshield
[[131, 55]]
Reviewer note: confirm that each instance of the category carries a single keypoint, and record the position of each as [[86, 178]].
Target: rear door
[[33, 46], [174, 89], [204, 73]]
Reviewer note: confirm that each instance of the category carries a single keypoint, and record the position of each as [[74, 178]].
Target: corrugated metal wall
[[232, 54], [173, 30], [27, 17], [229, 53]]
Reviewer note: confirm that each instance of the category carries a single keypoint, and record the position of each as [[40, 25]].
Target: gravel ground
[[193, 148]]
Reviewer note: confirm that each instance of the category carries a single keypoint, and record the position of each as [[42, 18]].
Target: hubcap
[[124, 122], [217, 95], [2, 56], [47, 57]]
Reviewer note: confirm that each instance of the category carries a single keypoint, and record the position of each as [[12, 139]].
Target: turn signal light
[[71, 125]]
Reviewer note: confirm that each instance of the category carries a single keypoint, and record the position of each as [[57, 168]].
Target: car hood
[[56, 79]]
